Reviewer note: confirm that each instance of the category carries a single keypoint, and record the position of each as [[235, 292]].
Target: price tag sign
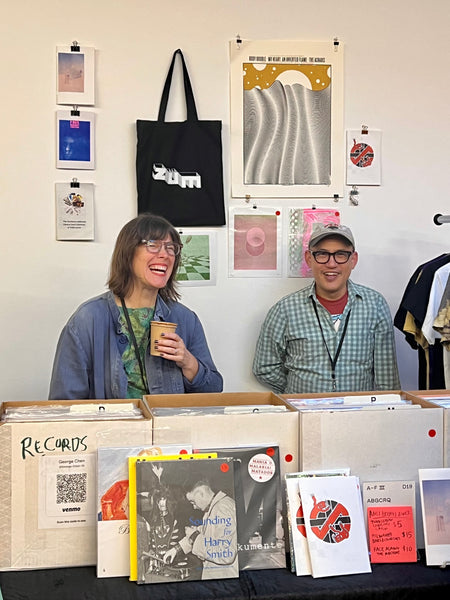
[[391, 534]]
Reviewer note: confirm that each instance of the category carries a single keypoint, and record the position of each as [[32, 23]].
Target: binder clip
[[74, 183], [247, 199], [364, 130], [238, 41], [75, 47], [336, 44], [75, 112]]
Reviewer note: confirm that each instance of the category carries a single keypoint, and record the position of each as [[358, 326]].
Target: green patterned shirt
[[291, 356], [140, 319]]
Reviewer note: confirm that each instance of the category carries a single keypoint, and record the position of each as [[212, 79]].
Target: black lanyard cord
[[135, 344], [333, 361]]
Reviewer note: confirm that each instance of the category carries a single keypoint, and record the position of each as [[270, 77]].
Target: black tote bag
[[179, 164]]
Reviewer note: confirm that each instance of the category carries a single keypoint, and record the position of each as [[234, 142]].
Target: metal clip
[[353, 195]]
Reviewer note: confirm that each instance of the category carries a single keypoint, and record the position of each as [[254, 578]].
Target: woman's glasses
[[154, 246]]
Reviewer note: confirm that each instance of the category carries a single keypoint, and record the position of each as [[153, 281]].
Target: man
[[332, 336], [213, 538]]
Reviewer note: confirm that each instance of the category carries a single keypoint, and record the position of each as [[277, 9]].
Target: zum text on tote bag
[[179, 164]]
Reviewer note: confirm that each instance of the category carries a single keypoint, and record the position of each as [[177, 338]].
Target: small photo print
[[75, 140], [71, 72], [75, 75]]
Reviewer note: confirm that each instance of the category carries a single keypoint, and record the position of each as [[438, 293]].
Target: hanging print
[[363, 157], [74, 211], [198, 257], [75, 77], [286, 118], [255, 242], [301, 222], [75, 134]]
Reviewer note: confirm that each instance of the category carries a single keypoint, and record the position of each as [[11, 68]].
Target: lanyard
[[333, 361], [135, 344]]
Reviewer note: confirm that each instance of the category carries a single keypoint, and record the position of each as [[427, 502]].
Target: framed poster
[[287, 136], [255, 242], [198, 257], [75, 75], [75, 135]]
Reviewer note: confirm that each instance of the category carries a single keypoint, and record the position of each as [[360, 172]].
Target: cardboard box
[[48, 484], [425, 397], [221, 430], [377, 445]]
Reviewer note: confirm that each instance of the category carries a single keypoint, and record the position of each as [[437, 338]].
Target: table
[[411, 581]]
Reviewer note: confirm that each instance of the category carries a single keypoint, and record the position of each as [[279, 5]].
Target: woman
[[103, 351]]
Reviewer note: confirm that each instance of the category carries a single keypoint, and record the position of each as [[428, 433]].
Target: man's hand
[[169, 556]]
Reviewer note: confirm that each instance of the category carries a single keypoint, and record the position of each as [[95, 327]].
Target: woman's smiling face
[[152, 270]]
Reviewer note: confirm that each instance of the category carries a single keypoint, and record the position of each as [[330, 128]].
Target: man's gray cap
[[321, 231]]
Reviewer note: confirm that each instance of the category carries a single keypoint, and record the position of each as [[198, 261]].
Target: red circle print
[[432, 433], [270, 451], [224, 468]]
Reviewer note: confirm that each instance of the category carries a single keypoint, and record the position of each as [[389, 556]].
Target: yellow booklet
[[132, 504]]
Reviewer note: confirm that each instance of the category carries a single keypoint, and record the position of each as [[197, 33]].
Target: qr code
[[71, 488]]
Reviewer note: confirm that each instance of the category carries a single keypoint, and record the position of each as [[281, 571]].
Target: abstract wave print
[[287, 135]]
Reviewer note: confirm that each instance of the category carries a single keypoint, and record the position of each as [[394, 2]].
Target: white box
[[39, 461], [221, 430], [377, 445], [425, 397]]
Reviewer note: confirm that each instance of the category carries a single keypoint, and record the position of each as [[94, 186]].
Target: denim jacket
[[88, 360]]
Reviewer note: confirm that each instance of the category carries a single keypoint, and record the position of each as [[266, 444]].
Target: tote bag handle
[[190, 102]]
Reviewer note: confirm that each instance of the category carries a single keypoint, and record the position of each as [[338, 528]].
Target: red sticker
[[288, 458], [278, 213], [432, 433], [224, 468], [183, 451], [270, 451]]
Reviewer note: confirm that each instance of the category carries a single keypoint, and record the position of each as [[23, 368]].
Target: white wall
[[396, 80]]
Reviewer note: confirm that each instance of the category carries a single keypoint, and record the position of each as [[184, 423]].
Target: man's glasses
[[154, 246], [340, 257]]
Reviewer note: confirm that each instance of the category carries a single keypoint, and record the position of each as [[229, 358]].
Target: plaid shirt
[[291, 356]]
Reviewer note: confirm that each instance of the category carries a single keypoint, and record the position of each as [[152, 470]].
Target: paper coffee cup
[[157, 328]]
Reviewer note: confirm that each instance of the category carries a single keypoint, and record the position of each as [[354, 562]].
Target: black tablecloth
[[387, 581]]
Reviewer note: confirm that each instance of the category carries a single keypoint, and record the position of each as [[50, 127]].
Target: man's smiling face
[[331, 278]]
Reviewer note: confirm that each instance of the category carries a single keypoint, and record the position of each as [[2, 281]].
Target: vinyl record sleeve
[[185, 520]]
